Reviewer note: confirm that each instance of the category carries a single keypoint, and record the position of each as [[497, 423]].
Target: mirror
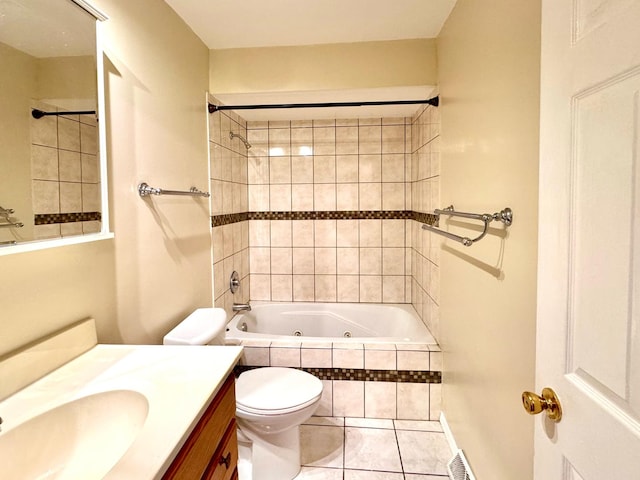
[[51, 167]]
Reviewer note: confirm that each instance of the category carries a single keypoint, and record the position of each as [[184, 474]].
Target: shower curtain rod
[[36, 113], [216, 108]]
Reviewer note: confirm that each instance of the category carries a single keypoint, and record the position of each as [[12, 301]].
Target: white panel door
[[588, 341]]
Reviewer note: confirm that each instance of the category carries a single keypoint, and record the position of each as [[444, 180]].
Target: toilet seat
[[276, 390]]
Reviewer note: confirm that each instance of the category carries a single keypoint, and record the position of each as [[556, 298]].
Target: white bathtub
[[336, 322]]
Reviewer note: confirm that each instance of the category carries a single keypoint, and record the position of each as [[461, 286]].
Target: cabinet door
[[207, 437], [224, 461]]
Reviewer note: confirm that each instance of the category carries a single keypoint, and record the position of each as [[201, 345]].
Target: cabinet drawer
[[224, 462], [197, 452]]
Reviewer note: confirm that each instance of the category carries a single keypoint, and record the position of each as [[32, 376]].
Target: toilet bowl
[[271, 403]]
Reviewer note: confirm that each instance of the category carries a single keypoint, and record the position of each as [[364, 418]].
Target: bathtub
[[335, 322]]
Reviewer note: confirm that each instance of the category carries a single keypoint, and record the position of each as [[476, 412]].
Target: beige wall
[[157, 73], [158, 268], [396, 63], [489, 55], [67, 78]]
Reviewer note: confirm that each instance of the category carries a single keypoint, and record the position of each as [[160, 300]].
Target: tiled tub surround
[[65, 174], [372, 380]]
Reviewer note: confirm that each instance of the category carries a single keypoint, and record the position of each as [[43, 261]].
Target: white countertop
[[178, 382]]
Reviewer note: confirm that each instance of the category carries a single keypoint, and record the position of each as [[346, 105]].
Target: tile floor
[[339, 448]]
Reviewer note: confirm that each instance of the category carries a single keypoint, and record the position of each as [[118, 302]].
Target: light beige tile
[[88, 139], [393, 196], [324, 140], [303, 233], [303, 260], [91, 200], [368, 449], [418, 425], [327, 421], [371, 289], [280, 170], [259, 233], [321, 446], [280, 198], [370, 261], [90, 168], [91, 227], [435, 400], [348, 358], [393, 167], [257, 170], [281, 261], [324, 197], [302, 197], [348, 398], [255, 356], [326, 403], [303, 288], [413, 360], [302, 141], [380, 360], [393, 139], [71, 229], [348, 288], [424, 452], [281, 233], [325, 233], [347, 168], [44, 131], [259, 198], [281, 288], [393, 261], [319, 473], [413, 401], [324, 169], [69, 134], [348, 261], [41, 232], [371, 475], [346, 122], [370, 196], [260, 287], [44, 163], [279, 124], [70, 197], [284, 357], [315, 357], [302, 169], [347, 140], [324, 123], [260, 260], [393, 289], [369, 139], [380, 399], [279, 142], [325, 288], [370, 233], [371, 422], [370, 168], [325, 260], [435, 361], [393, 233], [347, 233], [347, 196]]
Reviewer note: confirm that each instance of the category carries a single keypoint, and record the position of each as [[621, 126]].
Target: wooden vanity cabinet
[[211, 451]]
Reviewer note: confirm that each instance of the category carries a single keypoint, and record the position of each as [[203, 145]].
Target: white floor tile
[[326, 421], [371, 449], [322, 446], [318, 473], [369, 423], [419, 425], [423, 452], [410, 476], [369, 475]]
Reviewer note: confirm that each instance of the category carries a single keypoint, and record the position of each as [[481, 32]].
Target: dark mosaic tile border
[[52, 218], [428, 218], [366, 375]]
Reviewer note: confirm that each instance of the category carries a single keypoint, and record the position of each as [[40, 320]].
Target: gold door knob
[[548, 402]]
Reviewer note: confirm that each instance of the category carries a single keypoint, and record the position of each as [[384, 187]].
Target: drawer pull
[[226, 460]]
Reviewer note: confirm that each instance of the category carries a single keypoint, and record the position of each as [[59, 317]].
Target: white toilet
[[271, 403]]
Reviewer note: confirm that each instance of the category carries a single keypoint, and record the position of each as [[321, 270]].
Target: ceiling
[[266, 23], [224, 24]]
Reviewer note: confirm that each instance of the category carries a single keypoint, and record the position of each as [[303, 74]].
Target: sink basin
[[82, 439]]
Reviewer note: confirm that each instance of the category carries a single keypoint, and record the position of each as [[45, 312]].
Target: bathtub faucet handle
[[241, 307]]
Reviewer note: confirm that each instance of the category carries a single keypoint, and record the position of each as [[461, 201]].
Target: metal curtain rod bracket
[[144, 190], [505, 216], [35, 113], [435, 101]]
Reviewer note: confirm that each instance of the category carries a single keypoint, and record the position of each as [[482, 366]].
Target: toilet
[[271, 403]]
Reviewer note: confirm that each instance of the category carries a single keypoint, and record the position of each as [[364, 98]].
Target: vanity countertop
[[177, 381]]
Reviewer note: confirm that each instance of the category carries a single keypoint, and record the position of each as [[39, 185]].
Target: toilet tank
[[205, 326]]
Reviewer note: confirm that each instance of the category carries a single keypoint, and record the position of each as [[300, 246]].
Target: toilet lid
[[274, 390]]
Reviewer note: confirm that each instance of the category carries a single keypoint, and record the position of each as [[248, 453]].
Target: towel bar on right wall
[[505, 216]]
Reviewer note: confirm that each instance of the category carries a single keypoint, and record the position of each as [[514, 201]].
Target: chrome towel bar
[[144, 190], [505, 216]]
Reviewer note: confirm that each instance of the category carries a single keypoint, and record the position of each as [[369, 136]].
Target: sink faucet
[[241, 307]]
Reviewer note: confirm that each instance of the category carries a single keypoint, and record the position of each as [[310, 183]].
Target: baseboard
[[448, 434]]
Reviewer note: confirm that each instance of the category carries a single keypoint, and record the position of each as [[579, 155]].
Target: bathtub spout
[[241, 307]]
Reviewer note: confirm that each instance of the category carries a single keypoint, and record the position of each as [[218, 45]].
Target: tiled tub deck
[[366, 380]]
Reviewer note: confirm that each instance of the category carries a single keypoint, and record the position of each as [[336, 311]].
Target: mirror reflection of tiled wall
[[326, 210], [65, 174]]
